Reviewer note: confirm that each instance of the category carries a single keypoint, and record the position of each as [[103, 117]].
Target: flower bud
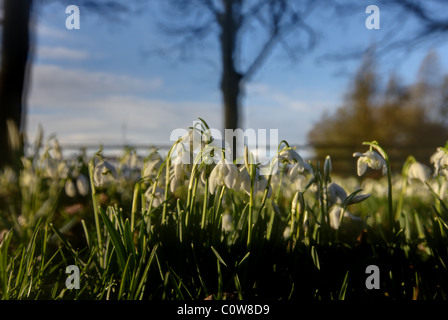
[[70, 188], [82, 184]]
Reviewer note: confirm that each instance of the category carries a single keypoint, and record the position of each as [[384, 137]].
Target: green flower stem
[[251, 203], [381, 151], [137, 188], [167, 187], [193, 190], [218, 205], [96, 213], [282, 173], [404, 175], [204, 208]]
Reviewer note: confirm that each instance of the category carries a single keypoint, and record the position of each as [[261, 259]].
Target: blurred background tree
[[16, 54], [233, 22], [404, 119], [15, 51]]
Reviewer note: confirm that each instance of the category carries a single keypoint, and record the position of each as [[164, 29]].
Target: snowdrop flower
[[151, 167], [195, 139], [244, 182], [50, 166], [440, 161], [287, 233], [103, 172], [335, 216], [182, 171], [440, 188], [224, 173], [298, 175], [22, 220], [157, 198], [336, 194], [260, 182], [418, 171], [288, 155], [227, 222], [299, 168], [56, 150], [176, 183], [181, 155], [70, 188], [371, 159], [55, 169], [82, 184]]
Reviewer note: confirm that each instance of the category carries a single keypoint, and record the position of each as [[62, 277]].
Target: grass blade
[[116, 240]]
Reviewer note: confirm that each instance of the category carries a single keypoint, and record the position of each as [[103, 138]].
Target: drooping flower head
[[104, 172], [227, 222], [82, 184], [337, 195], [335, 216], [440, 161], [224, 173], [70, 188], [418, 171], [260, 182], [289, 155], [370, 159]]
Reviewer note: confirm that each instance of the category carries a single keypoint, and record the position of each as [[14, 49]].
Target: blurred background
[[327, 76]]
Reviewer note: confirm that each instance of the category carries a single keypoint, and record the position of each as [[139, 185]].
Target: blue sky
[[95, 85]]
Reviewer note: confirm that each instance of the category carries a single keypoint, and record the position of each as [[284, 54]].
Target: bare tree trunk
[[230, 80], [14, 60]]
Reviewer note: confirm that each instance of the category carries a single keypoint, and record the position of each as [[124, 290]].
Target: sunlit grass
[[157, 228]]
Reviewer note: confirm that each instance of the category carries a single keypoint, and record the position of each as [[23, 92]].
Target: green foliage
[[277, 239]]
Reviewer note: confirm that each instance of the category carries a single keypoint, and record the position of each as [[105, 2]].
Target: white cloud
[[121, 119], [88, 107], [43, 30], [54, 86], [61, 53]]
